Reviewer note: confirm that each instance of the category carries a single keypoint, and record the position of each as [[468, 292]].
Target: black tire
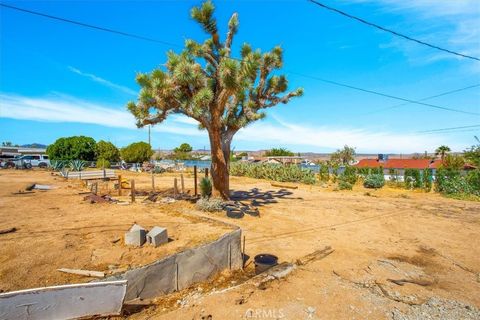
[[42, 165], [27, 166]]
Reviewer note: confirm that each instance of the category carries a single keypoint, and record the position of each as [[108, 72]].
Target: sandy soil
[[389, 234], [377, 236], [57, 229]]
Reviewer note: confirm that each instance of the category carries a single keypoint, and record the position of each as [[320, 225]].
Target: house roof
[[399, 163]]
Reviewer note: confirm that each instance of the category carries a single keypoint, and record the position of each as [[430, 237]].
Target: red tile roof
[[399, 163]]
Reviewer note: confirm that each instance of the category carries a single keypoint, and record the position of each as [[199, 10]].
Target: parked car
[[28, 161]]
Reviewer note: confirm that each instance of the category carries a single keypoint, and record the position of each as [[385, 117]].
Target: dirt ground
[[57, 229], [394, 250], [428, 242]]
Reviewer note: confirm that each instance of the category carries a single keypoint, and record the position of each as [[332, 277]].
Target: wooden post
[[153, 182], [132, 189], [182, 183], [195, 179], [206, 172], [119, 184], [175, 188]]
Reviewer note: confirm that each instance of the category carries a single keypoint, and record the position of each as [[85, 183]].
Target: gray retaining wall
[[179, 271]]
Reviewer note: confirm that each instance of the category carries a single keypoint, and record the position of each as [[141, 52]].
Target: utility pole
[[149, 139]]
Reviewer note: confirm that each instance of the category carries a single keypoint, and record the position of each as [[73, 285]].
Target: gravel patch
[[436, 308]]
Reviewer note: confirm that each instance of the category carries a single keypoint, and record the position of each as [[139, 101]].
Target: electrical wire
[[391, 31], [131, 35], [424, 99]]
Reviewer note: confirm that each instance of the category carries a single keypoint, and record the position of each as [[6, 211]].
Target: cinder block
[[136, 236], [157, 236]]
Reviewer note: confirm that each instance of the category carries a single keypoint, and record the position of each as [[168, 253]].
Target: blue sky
[[58, 79]]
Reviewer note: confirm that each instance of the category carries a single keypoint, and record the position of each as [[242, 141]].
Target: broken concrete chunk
[[136, 236], [157, 236]]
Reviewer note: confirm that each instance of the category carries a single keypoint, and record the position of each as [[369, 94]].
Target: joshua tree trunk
[[220, 151]]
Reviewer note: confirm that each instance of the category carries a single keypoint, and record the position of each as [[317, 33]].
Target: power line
[[449, 129], [391, 31], [384, 94], [424, 99], [131, 35]]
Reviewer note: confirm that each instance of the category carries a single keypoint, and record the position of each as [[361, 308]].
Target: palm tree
[[224, 94], [442, 151]]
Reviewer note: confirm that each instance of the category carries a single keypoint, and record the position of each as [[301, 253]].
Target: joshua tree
[[223, 93], [442, 151], [343, 156]]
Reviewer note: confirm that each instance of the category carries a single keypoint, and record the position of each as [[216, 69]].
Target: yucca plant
[[57, 165], [205, 187], [77, 165]]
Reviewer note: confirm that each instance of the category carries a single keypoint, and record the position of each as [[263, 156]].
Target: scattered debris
[[88, 273], [30, 187], [42, 187], [93, 198], [115, 240], [9, 230], [23, 192]]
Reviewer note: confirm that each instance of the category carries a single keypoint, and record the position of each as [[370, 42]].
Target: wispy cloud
[[61, 108], [453, 24], [103, 81]]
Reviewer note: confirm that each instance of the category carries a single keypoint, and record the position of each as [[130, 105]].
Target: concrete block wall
[[179, 271]]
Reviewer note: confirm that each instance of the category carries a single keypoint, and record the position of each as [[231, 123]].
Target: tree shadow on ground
[[260, 198]]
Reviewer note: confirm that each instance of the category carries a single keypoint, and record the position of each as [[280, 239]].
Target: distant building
[[10, 152], [399, 165]]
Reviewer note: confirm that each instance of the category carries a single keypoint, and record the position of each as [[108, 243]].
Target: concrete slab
[[64, 302], [157, 236]]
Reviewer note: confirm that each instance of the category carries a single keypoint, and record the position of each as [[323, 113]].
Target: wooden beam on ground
[[88, 273], [316, 255], [283, 185]]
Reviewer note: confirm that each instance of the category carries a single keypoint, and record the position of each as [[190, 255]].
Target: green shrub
[[473, 179], [427, 179], [349, 175], [374, 181], [323, 173], [205, 187], [72, 148], [102, 163], [345, 185], [108, 151], [458, 185], [275, 172], [210, 204], [137, 152]]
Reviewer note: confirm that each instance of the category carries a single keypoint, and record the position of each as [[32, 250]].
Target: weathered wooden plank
[[88, 273]]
